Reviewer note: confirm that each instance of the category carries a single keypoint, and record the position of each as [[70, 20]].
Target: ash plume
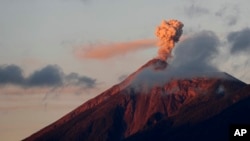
[[168, 34], [105, 51]]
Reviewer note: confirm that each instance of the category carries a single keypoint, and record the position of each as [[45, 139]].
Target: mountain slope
[[140, 103], [193, 124]]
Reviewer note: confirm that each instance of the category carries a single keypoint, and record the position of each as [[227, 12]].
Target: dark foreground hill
[[143, 108]]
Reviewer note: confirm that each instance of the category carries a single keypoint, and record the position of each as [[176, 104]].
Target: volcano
[[147, 106]]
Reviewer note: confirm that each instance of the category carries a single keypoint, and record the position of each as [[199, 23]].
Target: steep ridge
[[157, 64], [204, 119], [136, 106]]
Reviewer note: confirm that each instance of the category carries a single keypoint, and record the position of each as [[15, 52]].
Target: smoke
[[192, 58], [110, 50], [168, 34], [196, 53]]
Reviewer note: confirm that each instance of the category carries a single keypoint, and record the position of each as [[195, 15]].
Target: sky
[[57, 54]]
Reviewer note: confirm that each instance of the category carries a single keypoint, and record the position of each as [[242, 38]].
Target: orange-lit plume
[[109, 50], [168, 34]]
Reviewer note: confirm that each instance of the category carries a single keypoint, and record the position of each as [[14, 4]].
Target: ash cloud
[[105, 51], [49, 76], [168, 33], [195, 53], [192, 58], [239, 40]]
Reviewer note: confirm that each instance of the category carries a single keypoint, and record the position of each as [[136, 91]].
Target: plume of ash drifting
[[168, 33], [105, 51]]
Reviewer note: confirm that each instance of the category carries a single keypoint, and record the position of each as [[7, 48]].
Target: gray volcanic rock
[[140, 108]]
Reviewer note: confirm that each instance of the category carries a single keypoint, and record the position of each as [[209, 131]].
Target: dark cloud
[[240, 40], [75, 79], [195, 11], [195, 53], [89, 82], [11, 74], [49, 76], [228, 13]]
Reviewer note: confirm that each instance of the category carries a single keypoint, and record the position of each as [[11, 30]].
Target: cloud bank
[[11, 74], [49, 76]]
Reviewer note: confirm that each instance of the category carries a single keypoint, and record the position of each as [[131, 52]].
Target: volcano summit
[[197, 108]]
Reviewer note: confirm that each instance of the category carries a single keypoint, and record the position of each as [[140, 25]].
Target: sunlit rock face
[[149, 105]]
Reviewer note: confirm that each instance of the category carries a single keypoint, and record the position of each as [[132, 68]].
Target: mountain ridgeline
[[143, 108]]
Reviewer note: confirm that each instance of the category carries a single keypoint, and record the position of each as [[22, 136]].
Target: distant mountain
[[143, 108]]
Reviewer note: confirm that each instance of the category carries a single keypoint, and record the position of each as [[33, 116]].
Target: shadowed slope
[[209, 120]]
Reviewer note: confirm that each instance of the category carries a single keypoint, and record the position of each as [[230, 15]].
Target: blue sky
[[35, 34]]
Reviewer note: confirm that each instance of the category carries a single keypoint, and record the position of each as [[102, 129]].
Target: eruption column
[[168, 34]]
